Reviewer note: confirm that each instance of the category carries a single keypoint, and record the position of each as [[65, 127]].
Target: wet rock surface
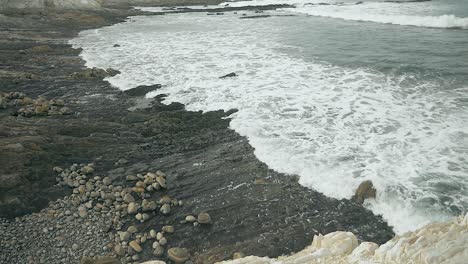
[[208, 168]]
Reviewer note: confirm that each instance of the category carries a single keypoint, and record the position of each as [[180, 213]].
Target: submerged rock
[[142, 90], [232, 74]]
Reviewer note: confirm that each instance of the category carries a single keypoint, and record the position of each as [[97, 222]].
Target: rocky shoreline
[[209, 167]]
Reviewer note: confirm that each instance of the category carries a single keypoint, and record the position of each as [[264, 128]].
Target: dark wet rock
[[142, 90], [94, 73], [232, 74], [365, 191], [252, 17], [112, 72]]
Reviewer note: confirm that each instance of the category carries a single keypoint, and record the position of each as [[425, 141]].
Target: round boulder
[[178, 255], [204, 218]]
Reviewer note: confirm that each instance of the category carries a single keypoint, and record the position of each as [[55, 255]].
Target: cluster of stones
[[29, 107], [202, 219], [95, 193], [97, 219], [65, 231]]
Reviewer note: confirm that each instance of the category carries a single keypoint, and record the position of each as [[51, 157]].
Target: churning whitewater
[[332, 124]]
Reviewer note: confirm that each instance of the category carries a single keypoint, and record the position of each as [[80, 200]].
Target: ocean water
[[335, 92]]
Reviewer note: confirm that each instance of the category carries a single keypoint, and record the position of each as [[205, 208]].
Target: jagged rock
[[365, 190], [94, 73], [142, 90], [112, 72]]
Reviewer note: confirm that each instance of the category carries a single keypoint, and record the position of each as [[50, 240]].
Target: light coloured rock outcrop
[[42, 6], [436, 243]]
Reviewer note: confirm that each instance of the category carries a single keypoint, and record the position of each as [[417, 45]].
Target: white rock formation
[[436, 243], [47, 5]]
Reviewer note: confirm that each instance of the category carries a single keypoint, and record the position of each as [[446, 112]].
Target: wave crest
[[443, 21]]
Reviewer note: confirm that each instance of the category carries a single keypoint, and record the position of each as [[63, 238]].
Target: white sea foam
[[273, 2], [409, 14], [333, 126], [387, 13]]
